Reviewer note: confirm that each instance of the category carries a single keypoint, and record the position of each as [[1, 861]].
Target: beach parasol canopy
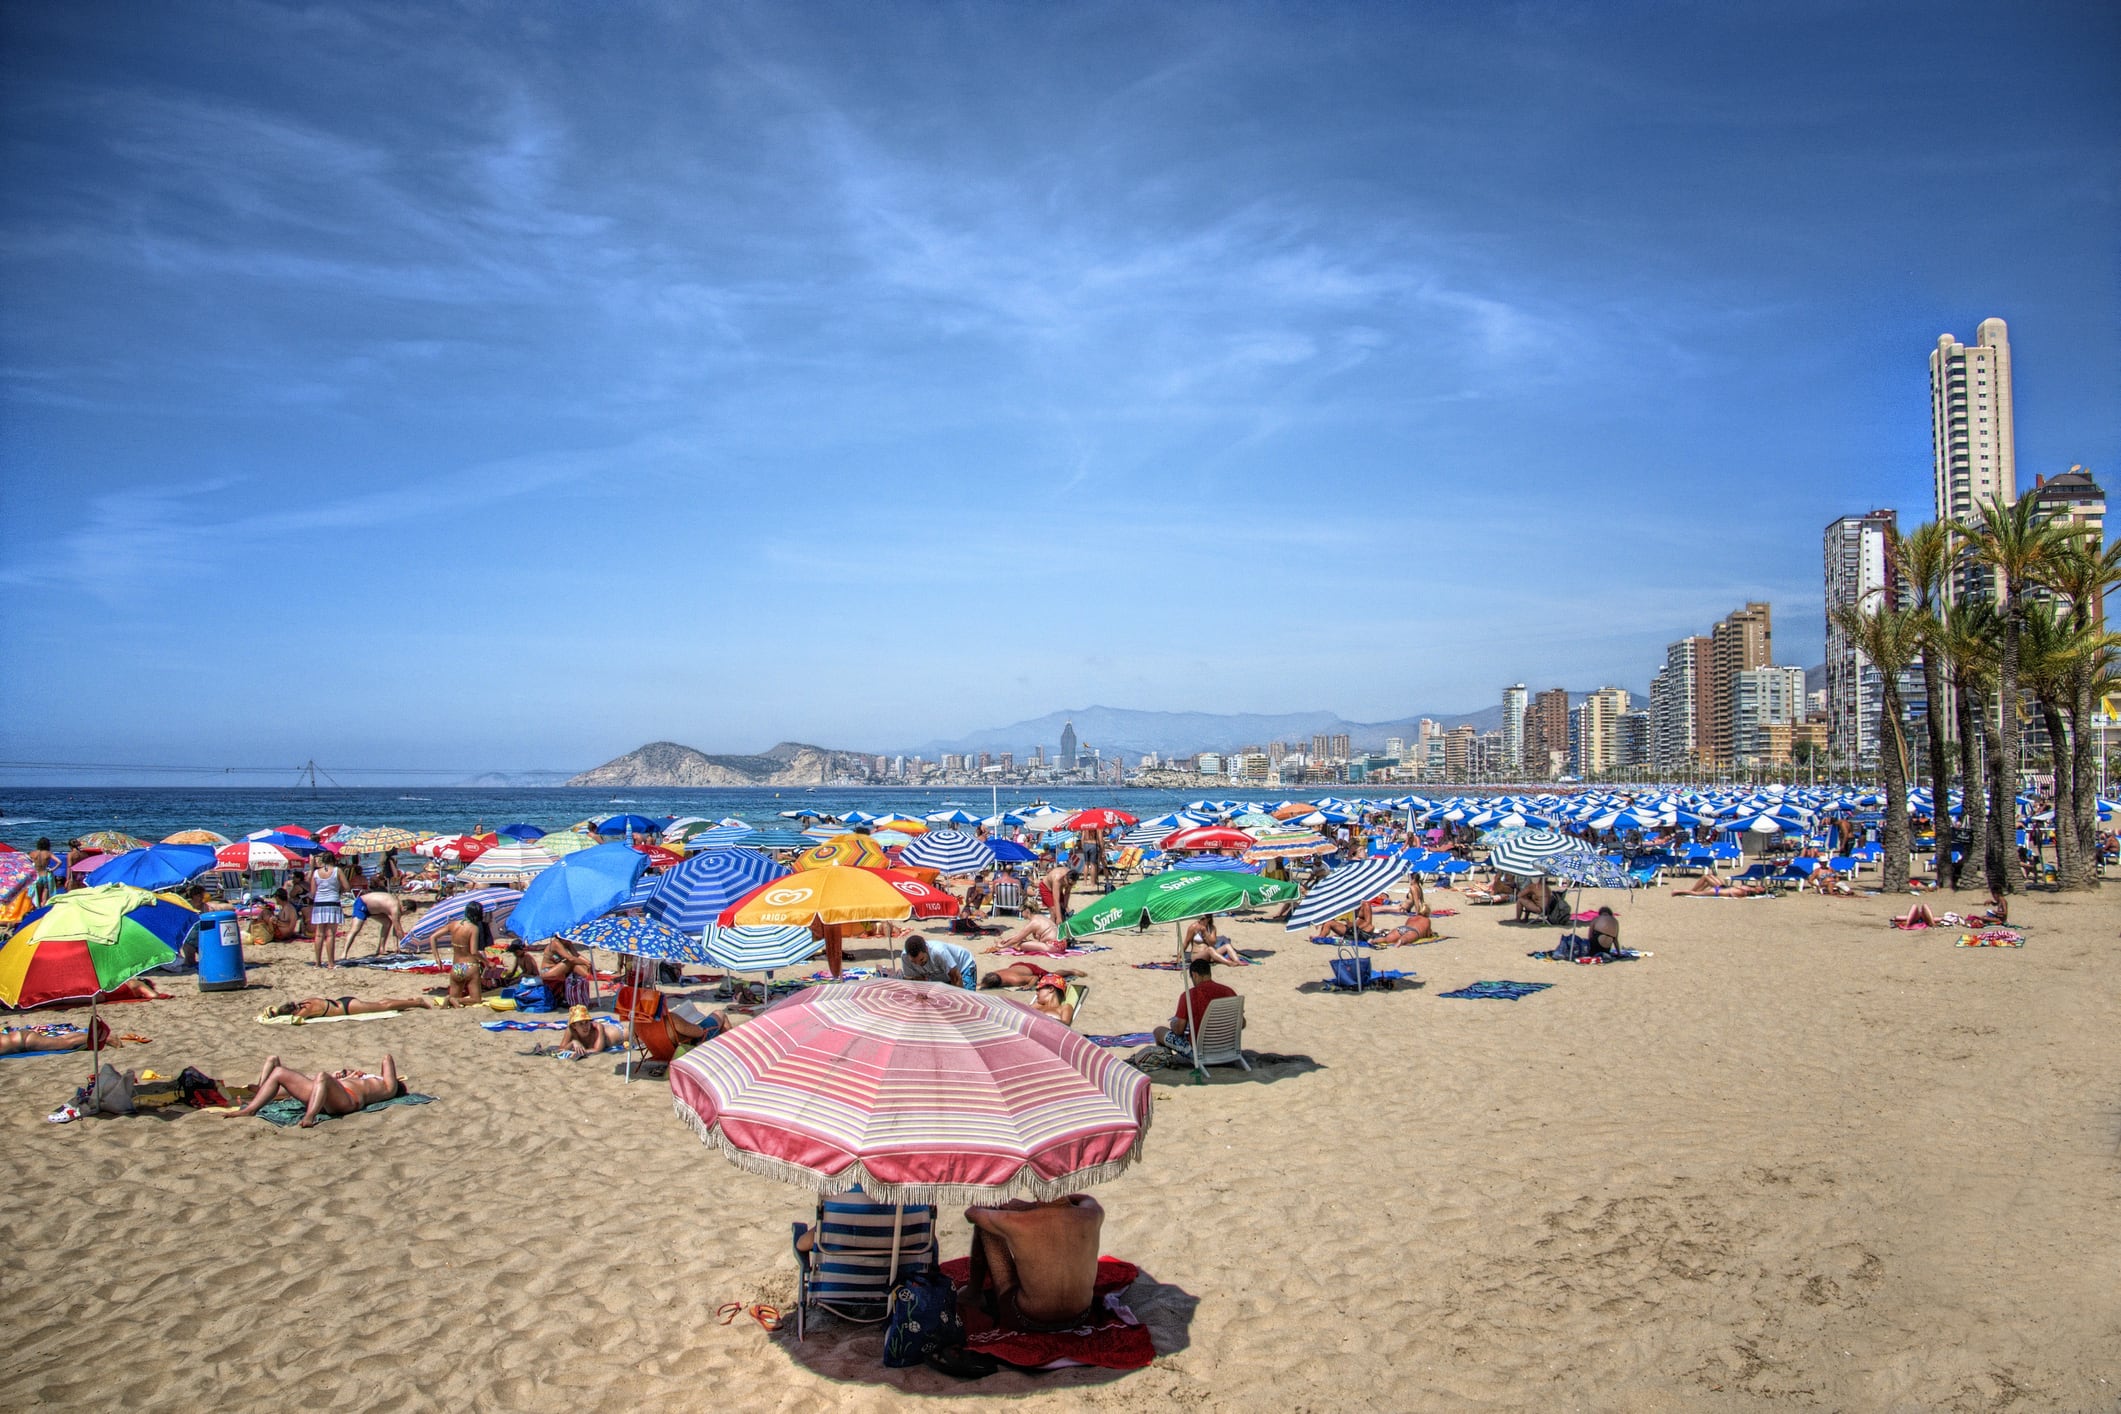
[[159, 866], [658, 856], [1098, 819], [374, 840], [759, 949], [1527, 851], [1284, 843], [1208, 837], [949, 851], [497, 903], [110, 842], [84, 943], [520, 831], [1174, 895], [693, 893], [915, 1092], [1010, 852], [952, 817], [255, 854], [851, 851], [561, 842], [509, 863], [197, 837], [1590, 871], [642, 937], [585, 884], [837, 894], [1345, 890], [16, 871], [629, 825]]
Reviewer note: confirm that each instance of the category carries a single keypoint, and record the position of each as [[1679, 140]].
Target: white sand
[[1794, 1160]]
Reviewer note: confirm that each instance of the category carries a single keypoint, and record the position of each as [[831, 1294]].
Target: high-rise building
[[1972, 433], [1597, 739], [1337, 748], [1038, 756], [1276, 750], [1631, 741], [1741, 641], [1764, 697], [1395, 747], [1458, 753], [1681, 704], [1513, 709], [1546, 732], [1859, 573], [1319, 746], [1067, 751]]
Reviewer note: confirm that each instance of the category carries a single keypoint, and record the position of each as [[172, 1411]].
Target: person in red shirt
[[1192, 1005]]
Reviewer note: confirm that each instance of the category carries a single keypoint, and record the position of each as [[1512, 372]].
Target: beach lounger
[[860, 1251]]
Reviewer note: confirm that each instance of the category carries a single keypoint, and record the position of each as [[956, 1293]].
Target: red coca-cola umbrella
[[1209, 837], [1099, 818]]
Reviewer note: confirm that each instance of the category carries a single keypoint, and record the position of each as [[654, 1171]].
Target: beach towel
[[1074, 950], [1993, 938], [1112, 1339], [1160, 966], [425, 966], [264, 1020], [54, 1030], [288, 1111], [1736, 898], [851, 974], [1131, 1038], [1497, 991], [1617, 955], [523, 1025]]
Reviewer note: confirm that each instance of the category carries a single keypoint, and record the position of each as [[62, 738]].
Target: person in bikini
[[332, 1092], [1203, 941], [1035, 934], [19, 1040], [587, 1035], [1714, 885], [317, 1008], [467, 939], [1023, 974], [1040, 1259]]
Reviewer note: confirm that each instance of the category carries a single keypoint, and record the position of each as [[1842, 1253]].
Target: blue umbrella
[[1218, 864], [576, 888], [159, 866], [1345, 890], [1592, 871], [629, 825], [949, 852], [693, 891], [766, 949], [642, 937], [521, 832], [280, 839], [721, 836], [1010, 852]]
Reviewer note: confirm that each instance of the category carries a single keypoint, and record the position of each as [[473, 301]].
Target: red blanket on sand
[[1110, 1342]]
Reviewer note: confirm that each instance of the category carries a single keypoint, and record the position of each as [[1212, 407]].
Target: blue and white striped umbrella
[[1146, 836], [1347, 889], [643, 937], [778, 839], [692, 892], [1526, 851], [952, 817], [948, 852], [759, 949], [721, 837], [498, 903]]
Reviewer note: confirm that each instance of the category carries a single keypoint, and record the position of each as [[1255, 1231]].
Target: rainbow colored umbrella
[[82, 944], [851, 851], [110, 842], [373, 840], [197, 837]]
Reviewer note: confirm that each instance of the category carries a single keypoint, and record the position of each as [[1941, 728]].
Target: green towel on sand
[[288, 1111]]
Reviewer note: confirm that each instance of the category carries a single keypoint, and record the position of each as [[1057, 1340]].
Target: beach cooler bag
[[921, 1319]]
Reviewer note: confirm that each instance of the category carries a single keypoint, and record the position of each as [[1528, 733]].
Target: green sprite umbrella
[[1174, 896]]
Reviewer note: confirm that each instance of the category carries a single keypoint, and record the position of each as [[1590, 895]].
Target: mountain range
[[665, 763]]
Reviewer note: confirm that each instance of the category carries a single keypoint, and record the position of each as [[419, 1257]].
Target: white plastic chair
[[1220, 1036]]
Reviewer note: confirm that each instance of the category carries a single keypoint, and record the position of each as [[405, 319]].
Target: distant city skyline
[[408, 387]]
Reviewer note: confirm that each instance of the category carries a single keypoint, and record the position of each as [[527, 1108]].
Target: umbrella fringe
[[1025, 1184]]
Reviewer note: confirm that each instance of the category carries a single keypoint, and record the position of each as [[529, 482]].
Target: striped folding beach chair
[[861, 1250]]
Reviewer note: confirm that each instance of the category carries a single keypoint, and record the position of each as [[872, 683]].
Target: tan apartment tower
[[1972, 431], [1546, 731], [1741, 641]]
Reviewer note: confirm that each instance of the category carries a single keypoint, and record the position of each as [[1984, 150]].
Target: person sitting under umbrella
[[1192, 1005], [1203, 941], [1034, 1265]]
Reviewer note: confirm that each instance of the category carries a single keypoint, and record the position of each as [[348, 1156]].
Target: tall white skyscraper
[[1971, 427], [1858, 572], [1513, 707]]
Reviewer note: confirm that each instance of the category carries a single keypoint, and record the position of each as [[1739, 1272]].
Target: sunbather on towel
[[15, 1040], [1034, 935], [1041, 1259], [1023, 974], [589, 1035], [1919, 915], [1713, 885], [1358, 927], [1051, 998], [333, 1092], [1500, 889], [316, 1008]]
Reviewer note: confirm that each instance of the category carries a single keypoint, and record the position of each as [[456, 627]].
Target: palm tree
[[2081, 576], [1890, 639], [1969, 636], [1924, 560], [2049, 658], [2016, 544]]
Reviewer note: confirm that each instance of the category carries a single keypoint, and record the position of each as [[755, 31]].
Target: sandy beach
[[1795, 1159]]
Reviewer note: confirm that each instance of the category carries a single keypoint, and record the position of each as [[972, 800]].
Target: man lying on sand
[[1041, 1258], [316, 1008], [332, 1092], [1023, 974]]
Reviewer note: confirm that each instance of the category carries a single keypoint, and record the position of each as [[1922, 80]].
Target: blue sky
[[507, 385]]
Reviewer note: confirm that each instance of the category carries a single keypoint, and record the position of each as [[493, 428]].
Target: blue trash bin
[[221, 952]]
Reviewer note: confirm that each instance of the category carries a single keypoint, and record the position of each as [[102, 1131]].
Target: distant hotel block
[[1859, 572], [1973, 433]]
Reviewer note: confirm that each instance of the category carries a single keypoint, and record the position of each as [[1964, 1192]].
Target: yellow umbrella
[[564, 842], [377, 839], [197, 837], [823, 895], [903, 825], [854, 851]]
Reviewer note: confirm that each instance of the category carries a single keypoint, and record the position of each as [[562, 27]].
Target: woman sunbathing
[[1918, 915], [587, 1035], [317, 1008], [1500, 889], [1035, 935], [1357, 927], [1713, 885], [332, 1092], [1051, 999], [18, 1040]]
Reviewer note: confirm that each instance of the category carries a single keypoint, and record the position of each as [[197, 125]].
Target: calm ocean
[[151, 813]]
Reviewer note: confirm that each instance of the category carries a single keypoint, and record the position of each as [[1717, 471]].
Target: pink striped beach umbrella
[[917, 1092]]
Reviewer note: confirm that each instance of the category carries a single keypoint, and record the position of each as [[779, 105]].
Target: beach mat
[[523, 1025], [288, 1111], [1078, 950], [1993, 938], [1131, 1038], [1496, 991], [1113, 1339], [1617, 955], [264, 1020]]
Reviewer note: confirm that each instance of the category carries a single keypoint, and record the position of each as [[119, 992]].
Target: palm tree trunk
[[2003, 799], [1973, 811], [2065, 799], [2084, 781], [1892, 767], [1940, 766], [1993, 847]]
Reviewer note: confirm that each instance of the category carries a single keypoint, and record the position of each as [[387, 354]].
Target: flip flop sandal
[[961, 1364]]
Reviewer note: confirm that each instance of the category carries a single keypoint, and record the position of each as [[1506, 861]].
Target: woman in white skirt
[[328, 884]]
